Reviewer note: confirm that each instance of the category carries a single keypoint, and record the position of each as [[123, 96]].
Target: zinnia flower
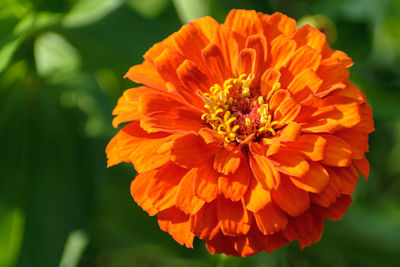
[[247, 134]]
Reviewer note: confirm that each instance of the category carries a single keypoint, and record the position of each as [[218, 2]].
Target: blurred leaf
[[11, 233], [54, 54], [191, 9], [74, 247], [148, 8], [86, 12], [386, 38], [7, 51], [14, 8]]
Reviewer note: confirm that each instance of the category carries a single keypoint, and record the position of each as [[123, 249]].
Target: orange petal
[[251, 243], [227, 159], [180, 120], [224, 39], [205, 224], [333, 88], [343, 58], [290, 163], [210, 136], [357, 140], [305, 83], [291, 199], [265, 172], [335, 113], [269, 80], [205, 183], [308, 107], [303, 58], [330, 193], [132, 144], [332, 71], [139, 187], [287, 111], [185, 45], [271, 219], [243, 23], [273, 147], [282, 49], [366, 123], [307, 35], [277, 98], [362, 166], [335, 211], [256, 196], [154, 102], [167, 63], [337, 152], [307, 228], [310, 145], [279, 24], [146, 74], [185, 197], [233, 216], [348, 179], [275, 241], [221, 244], [127, 108], [314, 180], [353, 92], [164, 184], [190, 151], [259, 44], [193, 78], [215, 61], [156, 50], [290, 133], [166, 114], [176, 223], [234, 186], [206, 25], [246, 61]]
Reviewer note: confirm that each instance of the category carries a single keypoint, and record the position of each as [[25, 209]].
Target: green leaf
[[7, 51], [11, 232], [191, 9], [74, 247], [53, 54], [149, 8], [86, 12]]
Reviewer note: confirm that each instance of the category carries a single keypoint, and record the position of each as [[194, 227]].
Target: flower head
[[245, 134]]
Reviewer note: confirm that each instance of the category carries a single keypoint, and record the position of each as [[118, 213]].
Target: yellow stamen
[[219, 101]]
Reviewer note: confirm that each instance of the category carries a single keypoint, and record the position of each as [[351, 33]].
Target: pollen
[[237, 112]]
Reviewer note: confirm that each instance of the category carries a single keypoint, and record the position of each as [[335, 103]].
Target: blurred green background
[[61, 69]]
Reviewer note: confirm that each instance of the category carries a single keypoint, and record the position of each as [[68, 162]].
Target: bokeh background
[[61, 72]]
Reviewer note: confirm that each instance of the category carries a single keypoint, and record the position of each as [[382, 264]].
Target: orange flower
[[245, 134]]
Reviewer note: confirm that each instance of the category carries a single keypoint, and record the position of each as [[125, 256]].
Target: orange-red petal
[[235, 185], [256, 197], [186, 200], [233, 217], [205, 183], [205, 224], [271, 219], [227, 159], [176, 223], [265, 172], [190, 151], [291, 199], [314, 180]]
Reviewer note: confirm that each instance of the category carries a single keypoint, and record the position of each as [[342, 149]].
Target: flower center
[[237, 114]]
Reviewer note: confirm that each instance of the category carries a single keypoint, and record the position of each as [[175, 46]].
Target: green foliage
[[61, 69]]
